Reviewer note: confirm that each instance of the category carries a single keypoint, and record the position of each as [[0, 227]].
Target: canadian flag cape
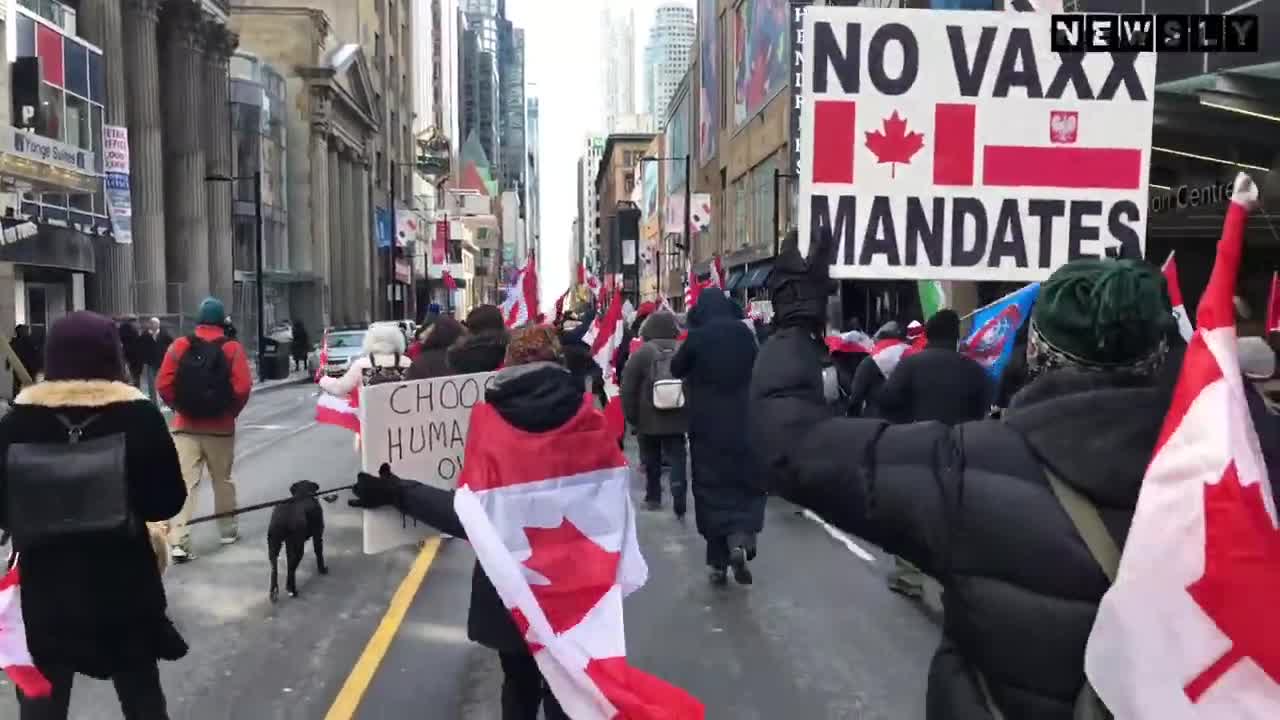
[[549, 516], [15, 658], [1170, 272], [887, 353], [331, 410], [1188, 630]]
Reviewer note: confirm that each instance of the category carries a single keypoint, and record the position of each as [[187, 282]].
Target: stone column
[[351, 231], [112, 285], [362, 243], [146, 158], [337, 291], [186, 210], [315, 258], [220, 43]]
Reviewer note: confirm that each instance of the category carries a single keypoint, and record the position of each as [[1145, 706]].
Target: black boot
[[738, 559], [719, 577]]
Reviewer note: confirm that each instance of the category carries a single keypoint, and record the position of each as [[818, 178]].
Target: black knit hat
[[485, 318], [84, 346], [1103, 312]]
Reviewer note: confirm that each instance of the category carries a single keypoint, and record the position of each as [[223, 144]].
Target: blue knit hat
[[211, 312]]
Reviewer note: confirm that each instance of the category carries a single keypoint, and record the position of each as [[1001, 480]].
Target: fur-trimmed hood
[[383, 340], [78, 393]]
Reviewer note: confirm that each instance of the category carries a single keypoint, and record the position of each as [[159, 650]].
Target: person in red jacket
[[205, 378]]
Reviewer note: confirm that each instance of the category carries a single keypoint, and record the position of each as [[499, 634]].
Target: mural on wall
[[649, 183], [677, 144], [709, 67], [760, 54]]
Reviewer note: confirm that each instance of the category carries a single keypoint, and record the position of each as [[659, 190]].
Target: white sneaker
[[230, 539], [181, 555]]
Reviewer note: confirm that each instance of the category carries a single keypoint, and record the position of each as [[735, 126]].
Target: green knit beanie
[[1103, 312]]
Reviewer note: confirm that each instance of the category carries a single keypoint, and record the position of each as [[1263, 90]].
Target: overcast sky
[[562, 67]]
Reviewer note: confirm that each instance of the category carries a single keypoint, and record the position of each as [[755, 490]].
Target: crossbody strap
[[1084, 515]]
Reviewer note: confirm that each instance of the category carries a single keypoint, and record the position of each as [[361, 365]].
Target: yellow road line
[[353, 690]]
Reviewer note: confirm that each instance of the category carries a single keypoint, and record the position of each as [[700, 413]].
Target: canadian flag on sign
[[953, 144], [15, 658], [549, 516], [1187, 630]]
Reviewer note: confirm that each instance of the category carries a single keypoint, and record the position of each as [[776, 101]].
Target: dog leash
[[263, 506]]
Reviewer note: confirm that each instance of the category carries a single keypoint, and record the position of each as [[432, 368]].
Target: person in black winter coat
[[728, 491], [869, 378], [535, 393], [29, 354], [134, 353], [972, 506], [485, 344], [433, 360], [300, 347], [630, 333], [93, 603], [660, 433], [578, 359], [937, 383]]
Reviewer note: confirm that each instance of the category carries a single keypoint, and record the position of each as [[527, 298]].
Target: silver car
[[344, 345]]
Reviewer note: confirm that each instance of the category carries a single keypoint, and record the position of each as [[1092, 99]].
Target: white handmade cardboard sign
[[956, 146], [420, 429]]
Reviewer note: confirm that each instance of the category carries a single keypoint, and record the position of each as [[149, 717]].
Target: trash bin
[[275, 360]]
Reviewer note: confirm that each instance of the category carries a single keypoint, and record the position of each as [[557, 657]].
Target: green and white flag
[[932, 298]]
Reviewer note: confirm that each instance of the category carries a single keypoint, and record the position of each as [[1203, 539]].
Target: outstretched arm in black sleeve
[[419, 501]]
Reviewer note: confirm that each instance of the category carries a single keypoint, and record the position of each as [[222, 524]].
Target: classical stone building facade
[[332, 135]]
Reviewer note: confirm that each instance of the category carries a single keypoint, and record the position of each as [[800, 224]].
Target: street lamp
[[778, 175], [688, 184], [256, 177]]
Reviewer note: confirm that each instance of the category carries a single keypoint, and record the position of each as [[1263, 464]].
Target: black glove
[[374, 491], [799, 287]]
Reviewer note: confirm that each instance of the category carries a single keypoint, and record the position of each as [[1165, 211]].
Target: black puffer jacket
[[535, 398], [971, 506], [936, 383], [715, 363]]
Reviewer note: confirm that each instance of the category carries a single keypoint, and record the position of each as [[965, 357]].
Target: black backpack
[[204, 380]]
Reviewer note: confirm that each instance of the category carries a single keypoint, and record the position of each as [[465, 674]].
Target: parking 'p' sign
[[958, 146]]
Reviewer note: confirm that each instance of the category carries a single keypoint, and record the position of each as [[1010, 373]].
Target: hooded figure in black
[[974, 505], [728, 492], [578, 359], [937, 383], [534, 393]]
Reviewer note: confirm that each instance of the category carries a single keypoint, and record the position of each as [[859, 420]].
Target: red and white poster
[[440, 243], [956, 146]]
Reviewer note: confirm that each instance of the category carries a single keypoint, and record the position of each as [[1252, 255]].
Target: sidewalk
[[294, 378]]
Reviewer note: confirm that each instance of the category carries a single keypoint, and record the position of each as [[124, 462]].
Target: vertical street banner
[[796, 11], [956, 146], [420, 429], [116, 187], [440, 244]]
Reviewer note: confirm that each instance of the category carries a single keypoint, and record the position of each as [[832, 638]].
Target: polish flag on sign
[[15, 657], [1170, 272], [555, 531], [1182, 633]]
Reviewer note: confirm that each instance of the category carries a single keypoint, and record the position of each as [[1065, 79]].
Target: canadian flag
[[586, 277], [887, 353], [1273, 304], [555, 532], [332, 410], [717, 278], [606, 335], [15, 658], [1170, 271], [1183, 632], [854, 341], [520, 307]]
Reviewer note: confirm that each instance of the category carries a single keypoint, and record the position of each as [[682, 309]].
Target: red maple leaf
[[579, 573], [1241, 580], [895, 145]]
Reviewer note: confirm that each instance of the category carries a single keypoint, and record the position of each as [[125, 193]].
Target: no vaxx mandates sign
[[957, 146]]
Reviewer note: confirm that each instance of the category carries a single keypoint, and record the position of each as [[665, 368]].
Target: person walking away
[[88, 465], [630, 333], [728, 490], [937, 383], [205, 379], [432, 360], [153, 345], [300, 348], [653, 402], [484, 346], [535, 394], [889, 345], [29, 354], [578, 359], [383, 360], [976, 506], [131, 341]]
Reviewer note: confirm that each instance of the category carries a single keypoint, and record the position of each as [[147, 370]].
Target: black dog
[[292, 524]]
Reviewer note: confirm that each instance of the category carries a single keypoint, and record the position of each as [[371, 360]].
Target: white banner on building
[[955, 146], [420, 429], [116, 186], [407, 224]]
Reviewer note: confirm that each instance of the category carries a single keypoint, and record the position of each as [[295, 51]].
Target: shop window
[[97, 79], [49, 48], [50, 120], [96, 135], [54, 214], [82, 202], [54, 199], [82, 219], [75, 63], [26, 36], [741, 214], [78, 123]]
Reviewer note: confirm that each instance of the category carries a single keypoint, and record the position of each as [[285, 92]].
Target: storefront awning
[[758, 277], [735, 277], [29, 243]]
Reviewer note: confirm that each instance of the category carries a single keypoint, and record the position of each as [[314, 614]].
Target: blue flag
[[994, 328]]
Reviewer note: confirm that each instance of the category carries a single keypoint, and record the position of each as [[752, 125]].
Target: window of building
[[741, 236], [762, 199]]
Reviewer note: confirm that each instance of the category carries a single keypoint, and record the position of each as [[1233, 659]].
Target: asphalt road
[[817, 636]]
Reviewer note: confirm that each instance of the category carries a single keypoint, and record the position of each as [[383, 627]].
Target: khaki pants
[[195, 453]]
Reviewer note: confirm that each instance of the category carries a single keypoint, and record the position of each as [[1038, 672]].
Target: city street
[[818, 636]]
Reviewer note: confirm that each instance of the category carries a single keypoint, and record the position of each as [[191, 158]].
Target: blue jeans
[[653, 450], [149, 383]]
